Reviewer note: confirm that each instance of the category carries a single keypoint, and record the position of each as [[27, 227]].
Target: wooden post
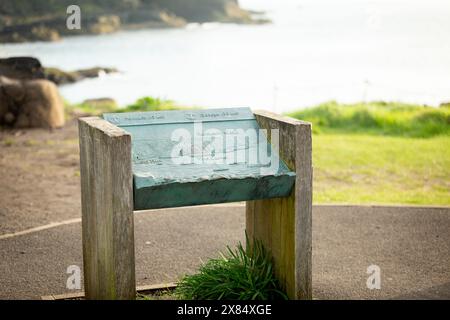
[[107, 210], [284, 225]]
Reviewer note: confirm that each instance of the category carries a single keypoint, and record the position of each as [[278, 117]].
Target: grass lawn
[[379, 152], [357, 168]]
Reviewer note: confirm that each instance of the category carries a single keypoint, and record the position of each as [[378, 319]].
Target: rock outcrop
[[30, 103], [28, 68], [21, 68]]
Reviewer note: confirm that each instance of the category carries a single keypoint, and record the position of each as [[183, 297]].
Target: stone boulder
[[30, 104]]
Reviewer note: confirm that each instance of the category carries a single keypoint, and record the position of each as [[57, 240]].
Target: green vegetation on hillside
[[189, 9], [377, 118], [25, 20]]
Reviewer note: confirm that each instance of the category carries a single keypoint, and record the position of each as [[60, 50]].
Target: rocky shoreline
[[29, 68], [48, 22]]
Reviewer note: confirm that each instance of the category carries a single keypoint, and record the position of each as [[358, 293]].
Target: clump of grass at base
[[380, 118], [239, 274]]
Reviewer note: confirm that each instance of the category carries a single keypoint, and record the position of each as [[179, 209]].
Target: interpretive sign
[[197, 157], [150, 160]]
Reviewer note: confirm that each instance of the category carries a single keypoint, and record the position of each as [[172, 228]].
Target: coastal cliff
[[24, 20]]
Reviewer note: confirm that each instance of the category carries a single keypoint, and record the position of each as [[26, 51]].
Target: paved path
[[410, 245]]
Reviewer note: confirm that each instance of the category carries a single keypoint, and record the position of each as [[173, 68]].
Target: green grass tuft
[[150, 104], [142, 104], [89, 109], [381, 118], [240, 274]]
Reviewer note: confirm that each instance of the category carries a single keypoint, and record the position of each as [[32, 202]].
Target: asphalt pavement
[[410, 245]]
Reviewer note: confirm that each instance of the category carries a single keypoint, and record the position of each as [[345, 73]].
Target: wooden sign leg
[[284, 225], [107, 210]]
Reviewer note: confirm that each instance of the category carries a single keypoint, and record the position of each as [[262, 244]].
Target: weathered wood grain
[[285, 224], [107, 210]]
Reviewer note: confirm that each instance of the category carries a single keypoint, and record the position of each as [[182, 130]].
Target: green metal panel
[[210, 142]]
